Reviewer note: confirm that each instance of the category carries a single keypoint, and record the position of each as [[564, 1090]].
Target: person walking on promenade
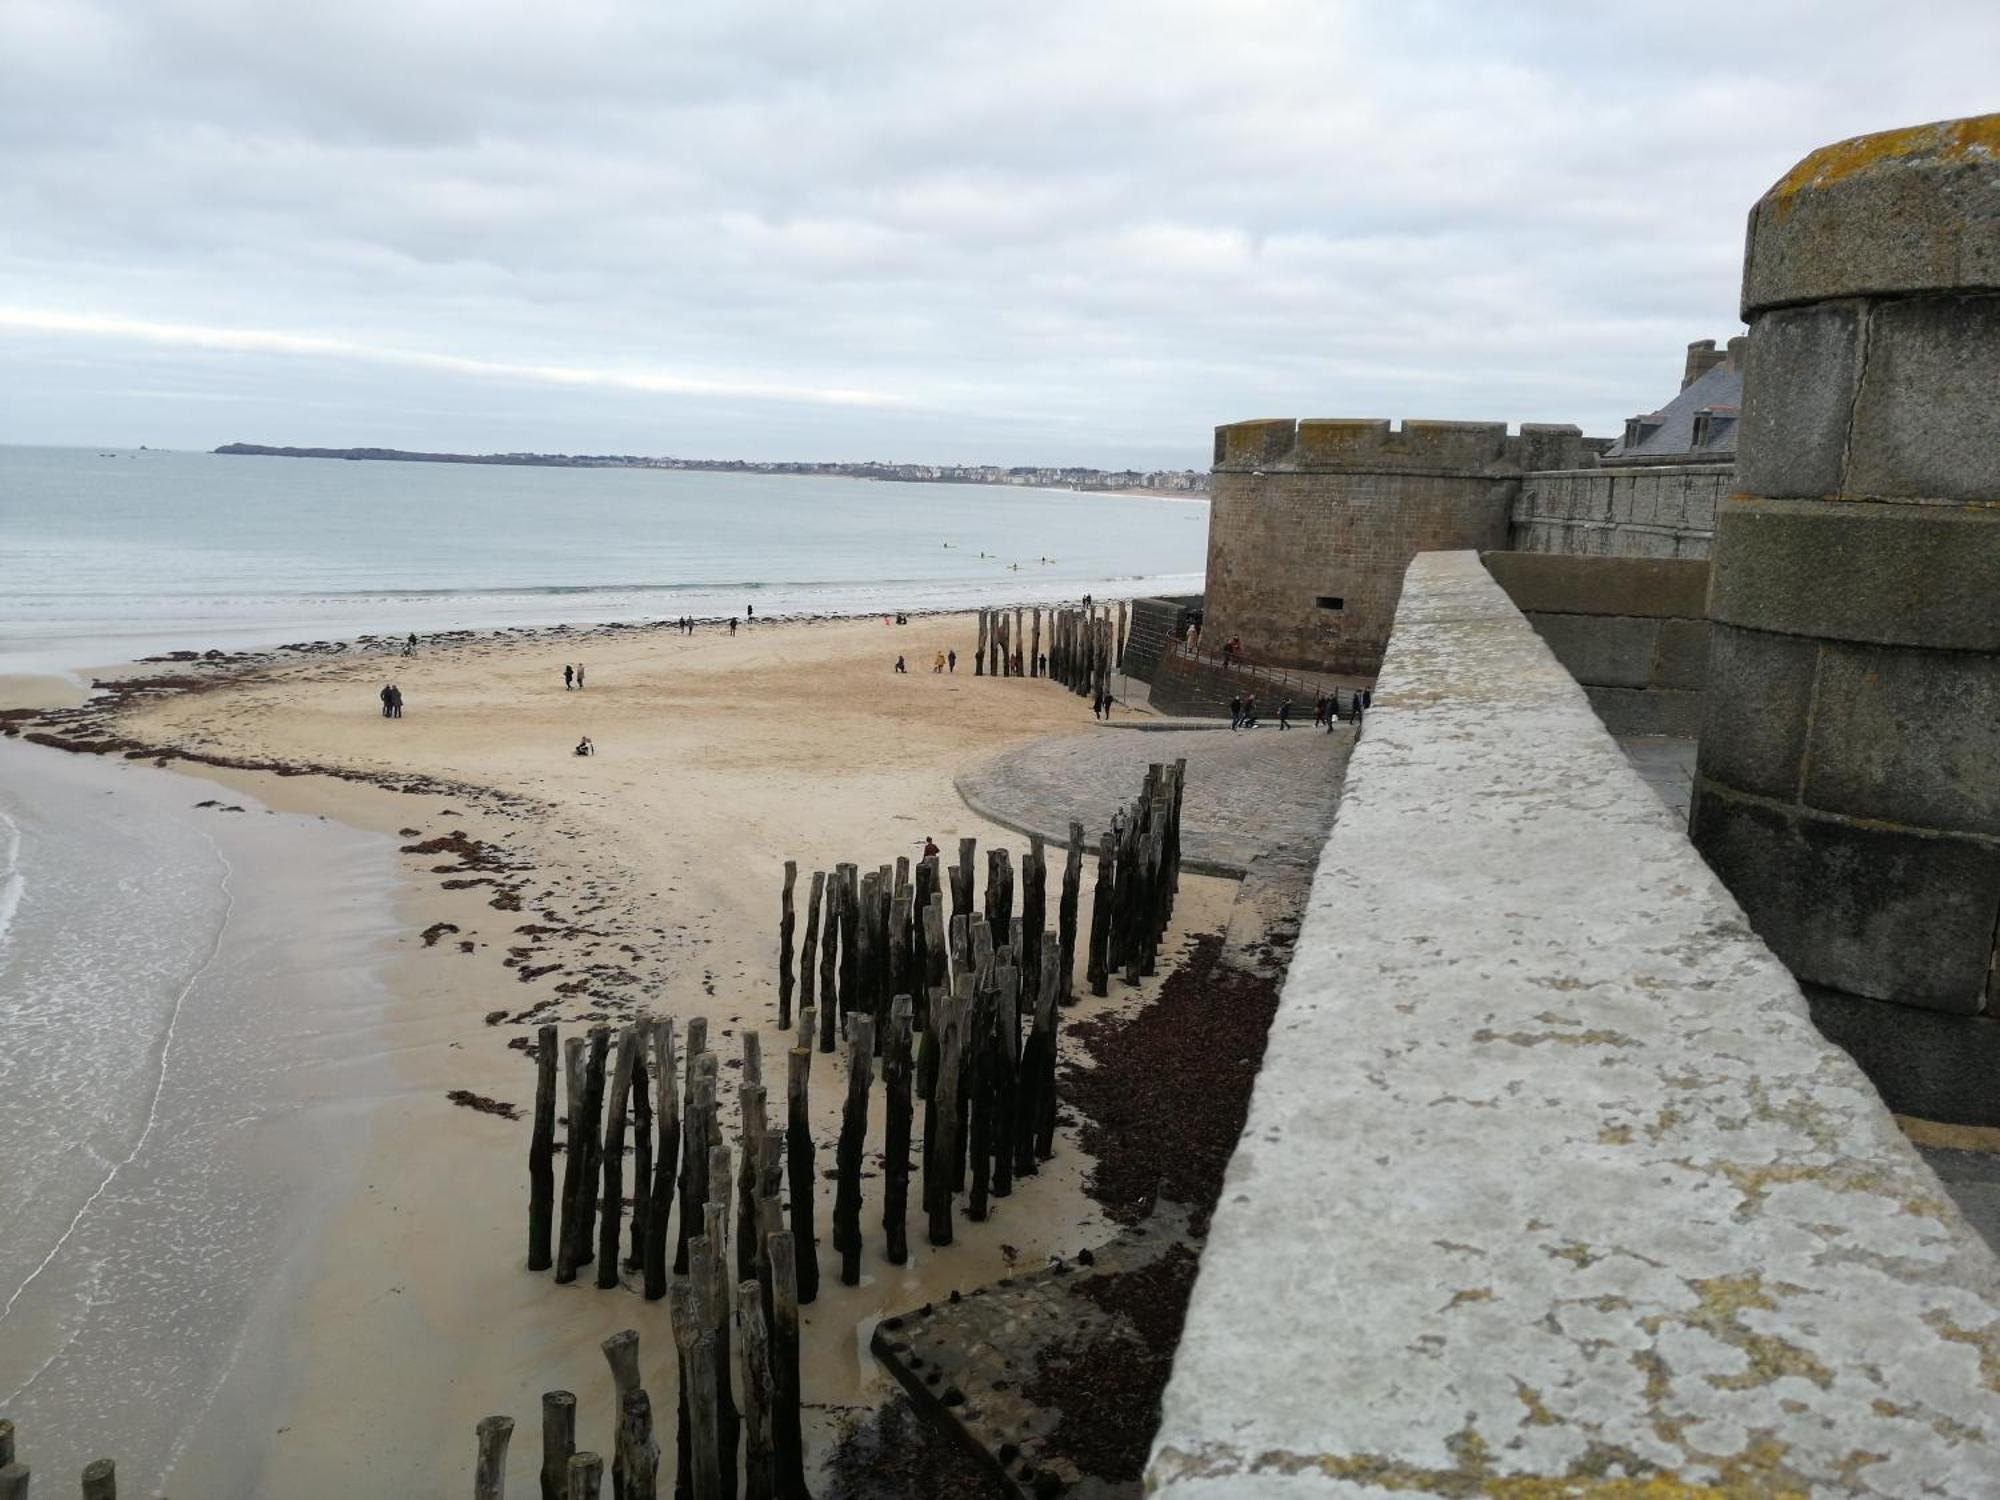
[[1250, 712], [569, 677], [1368, 697], [1235, 713], [1285, 714], [388, 696]]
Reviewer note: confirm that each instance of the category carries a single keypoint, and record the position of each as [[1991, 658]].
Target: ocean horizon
[[118, 554]]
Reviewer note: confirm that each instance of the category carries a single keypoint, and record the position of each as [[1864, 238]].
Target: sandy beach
[[645, 876]]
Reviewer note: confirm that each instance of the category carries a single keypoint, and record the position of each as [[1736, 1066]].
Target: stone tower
[[1312, 524], [1848, 787]]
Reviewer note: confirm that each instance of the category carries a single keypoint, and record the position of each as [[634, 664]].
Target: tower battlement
[[1376, 446]]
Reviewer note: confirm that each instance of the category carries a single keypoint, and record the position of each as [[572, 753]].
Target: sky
[[1079, 232]]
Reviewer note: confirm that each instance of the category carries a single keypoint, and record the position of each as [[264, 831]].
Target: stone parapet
[[1372, 446], [1549, 1184]]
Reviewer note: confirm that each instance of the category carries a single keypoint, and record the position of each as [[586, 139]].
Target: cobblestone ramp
[[1261, 794]]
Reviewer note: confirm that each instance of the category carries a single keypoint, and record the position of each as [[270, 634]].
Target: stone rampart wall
[[1667, 511], [1152, 630], [1632, 630], [1549, 1184]]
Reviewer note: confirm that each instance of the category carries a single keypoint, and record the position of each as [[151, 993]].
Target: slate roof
[[1668, 435]]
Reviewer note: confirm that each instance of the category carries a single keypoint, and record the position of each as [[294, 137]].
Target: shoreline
[[599, 904]]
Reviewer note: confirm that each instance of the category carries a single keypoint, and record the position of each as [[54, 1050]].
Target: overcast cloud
[[1066, 232]]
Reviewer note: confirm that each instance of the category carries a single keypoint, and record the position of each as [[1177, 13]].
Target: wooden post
[[799, 1169], [1035, 648], [573, 1157], [902, 910], [961, 885], [1118, 654], [14, 1479], [642, 1144], [850, 938], [635, 1471], [728, 1423], [694, 1165], [1066, 911], [944, 1106], [1015, 642], [1034, 914], [684, 1309], [558, 1442], [489, 1476], [1046, 1023], [754, 1375], [586, 1476], [868, 959], [100, 1480], [666, 1161], [979, 1084], [750, 1107], [786, 921], [896, 1132], [848, 1155], [829, 951], [541, 1151], [1006, 1053], [787, 1443], [979, 656], [1098, 971], [809, 951], [621, 1353], [612, 1229], [593, 1143]]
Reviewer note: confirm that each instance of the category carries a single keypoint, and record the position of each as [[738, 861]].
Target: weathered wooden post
[[1006, 1051], [1098, 970], [754, 1375], [635, 1470], [939, 1167], [979, 1083], [100, 1480], [809, 951], [786, 921], [558, 1442], [799, 1168], [14, 1477], [541, 1151], [1035, 649], [666, 1161], [593, 1142], [1118, 655], [961, 878], [850, 938], [1034, 910], [694, 1156], [586, 1476], [1066, 911], [642, 1144], [787, 1441], [853, 1138], [869, 957], [979, 656], [573, 1157], [750, 1106], [829, 960], [896, 1132], [1046, 1025], [902, 912], [621, 1353], [489, 1476], [611, 1232]]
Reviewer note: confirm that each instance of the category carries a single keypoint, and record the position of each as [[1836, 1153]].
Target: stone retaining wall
[[1549, 1183], [1663, 511]]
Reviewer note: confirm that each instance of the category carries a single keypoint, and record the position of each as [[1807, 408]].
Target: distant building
[[1698, 425]]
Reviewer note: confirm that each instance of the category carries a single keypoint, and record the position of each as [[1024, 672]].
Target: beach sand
[[647, 875]]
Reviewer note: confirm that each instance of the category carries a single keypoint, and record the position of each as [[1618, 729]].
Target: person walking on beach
[[951, 662], [388, 696], [569, 673], [749, 611], [395, 701], [937, 667], [410, 646], [732, 625], [902, 666], [579, 677]]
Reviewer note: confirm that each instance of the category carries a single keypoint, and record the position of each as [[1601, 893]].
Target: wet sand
[[647, 875]]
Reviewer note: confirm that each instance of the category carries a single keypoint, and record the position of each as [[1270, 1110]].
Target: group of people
[[946, 661], [392, 701], [1100, 706], [1327, 709], [572, 676]]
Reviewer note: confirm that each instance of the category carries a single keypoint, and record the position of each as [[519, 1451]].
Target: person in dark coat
[[1235, 713], [1285, 714], [569, 674], [388, 696]]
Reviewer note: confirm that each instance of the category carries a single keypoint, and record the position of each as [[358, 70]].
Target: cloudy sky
[[1078, 231]]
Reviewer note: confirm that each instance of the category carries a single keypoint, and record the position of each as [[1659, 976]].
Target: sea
[[106, 556], [191, 984]]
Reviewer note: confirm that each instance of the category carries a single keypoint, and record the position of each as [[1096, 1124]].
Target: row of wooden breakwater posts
[[989, 1096], [1085, 645]]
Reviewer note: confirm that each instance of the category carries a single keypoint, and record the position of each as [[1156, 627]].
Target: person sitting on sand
[[584, 747], [901, 665]]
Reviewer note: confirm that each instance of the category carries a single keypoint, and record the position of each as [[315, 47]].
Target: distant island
[[1152, 481]]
